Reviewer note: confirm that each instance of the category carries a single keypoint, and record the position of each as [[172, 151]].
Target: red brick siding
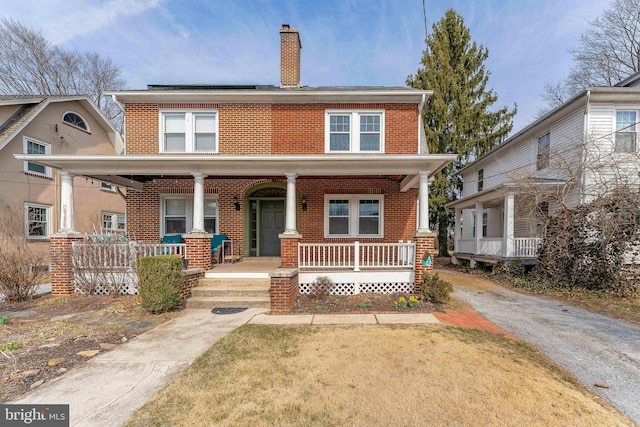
[[271, 128], [424, 244], [61, 271], [190, 279], [283, 294], [198, 252]]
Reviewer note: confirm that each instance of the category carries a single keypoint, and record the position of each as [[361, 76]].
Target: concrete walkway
[[112, 386], [603, 353]]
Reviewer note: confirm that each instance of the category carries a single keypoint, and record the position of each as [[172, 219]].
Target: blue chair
[[216, 246], [170, 239]]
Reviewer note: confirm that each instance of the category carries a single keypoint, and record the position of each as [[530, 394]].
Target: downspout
[[584, 143], [420, 124]]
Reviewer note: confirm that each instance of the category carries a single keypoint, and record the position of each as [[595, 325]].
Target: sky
[[344, 42]]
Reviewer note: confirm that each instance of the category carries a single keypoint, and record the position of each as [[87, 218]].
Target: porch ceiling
[[130, 171], [492, 197]]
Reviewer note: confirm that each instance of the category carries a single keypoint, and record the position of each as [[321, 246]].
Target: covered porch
[[495, 225]]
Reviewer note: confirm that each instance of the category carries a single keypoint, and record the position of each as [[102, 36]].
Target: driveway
[[602, 353]]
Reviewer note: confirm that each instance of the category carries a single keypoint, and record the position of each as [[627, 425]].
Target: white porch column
[[479, 208], [290, 215], [457, 233], [198, 203], [67, 217], [423, 201], [508, 234]]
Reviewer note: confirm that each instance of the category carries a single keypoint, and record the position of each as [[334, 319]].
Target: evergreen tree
[[456, 117]]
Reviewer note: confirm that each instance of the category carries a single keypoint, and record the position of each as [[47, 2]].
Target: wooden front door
[[271, 225]]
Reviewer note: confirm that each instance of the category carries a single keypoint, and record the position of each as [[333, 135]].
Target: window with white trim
[[480, 180], [349, 215], [37, 221], [189, 131], [354, 131], [113, 222], [76, 120], [625, 141], [542, 158], [177, 215], [33, 146]]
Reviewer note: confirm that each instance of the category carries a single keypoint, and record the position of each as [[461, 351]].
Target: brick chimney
[[290, 47]]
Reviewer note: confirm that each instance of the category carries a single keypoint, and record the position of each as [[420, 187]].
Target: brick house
[[284, 171]]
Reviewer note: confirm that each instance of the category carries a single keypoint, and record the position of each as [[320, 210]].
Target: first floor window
[[31, 146], [37, 221], [113, 222], [353, 216], [177, 215], [625, 132]]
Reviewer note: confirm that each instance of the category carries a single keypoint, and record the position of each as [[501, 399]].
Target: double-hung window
[[189, 131], [113, 222], [354, 131], [37, 221], [480, 180], [32, 146], [625, 132], [542, 158], [177, 215], [353, 215]]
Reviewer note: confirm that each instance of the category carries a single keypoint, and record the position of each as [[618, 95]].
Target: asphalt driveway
[[602, 353]]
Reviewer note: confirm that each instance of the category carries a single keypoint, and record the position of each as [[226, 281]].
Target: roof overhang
[[123, 170], [498, 192], [303, 96]]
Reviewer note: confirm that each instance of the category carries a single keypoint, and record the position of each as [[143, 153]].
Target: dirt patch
[[52, 330], [367, 303]]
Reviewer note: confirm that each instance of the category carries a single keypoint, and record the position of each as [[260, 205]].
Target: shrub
[[434, 289], [159, 282], [4, 320]]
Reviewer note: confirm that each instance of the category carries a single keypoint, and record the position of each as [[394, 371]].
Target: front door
[[271, 225]]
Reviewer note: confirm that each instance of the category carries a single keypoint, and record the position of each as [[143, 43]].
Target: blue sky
[[344, 42]]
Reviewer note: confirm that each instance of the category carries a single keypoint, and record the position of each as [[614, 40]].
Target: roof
[[271, 94], [32, 105]]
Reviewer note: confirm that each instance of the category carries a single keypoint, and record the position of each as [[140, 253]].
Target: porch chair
[[216, 247]]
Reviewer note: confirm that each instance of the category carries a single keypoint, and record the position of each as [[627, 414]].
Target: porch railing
[[119, 256], [492, 247], [526, 246], [355, 256]]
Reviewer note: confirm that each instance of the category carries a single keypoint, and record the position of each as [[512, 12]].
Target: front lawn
[[372, 375]]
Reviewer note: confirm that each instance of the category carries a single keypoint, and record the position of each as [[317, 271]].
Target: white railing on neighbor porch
[[526, 246], [356, 256], [523, 247], [120, 256]]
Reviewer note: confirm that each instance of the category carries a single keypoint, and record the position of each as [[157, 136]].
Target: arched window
[[74, 119]]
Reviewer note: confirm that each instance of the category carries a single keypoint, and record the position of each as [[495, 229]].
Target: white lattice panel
[[126, 283], [356, 288]]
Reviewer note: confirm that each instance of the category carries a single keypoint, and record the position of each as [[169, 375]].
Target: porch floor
[[249, 267]]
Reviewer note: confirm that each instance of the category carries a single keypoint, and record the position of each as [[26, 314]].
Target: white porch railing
[[355, 256], [119, 256], [526, 246], [491, 247]]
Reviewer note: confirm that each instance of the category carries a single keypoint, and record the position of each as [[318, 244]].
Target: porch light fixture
[[304, 203], [236, 203]]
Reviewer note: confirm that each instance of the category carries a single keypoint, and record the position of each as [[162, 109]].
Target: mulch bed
[[361, 303]]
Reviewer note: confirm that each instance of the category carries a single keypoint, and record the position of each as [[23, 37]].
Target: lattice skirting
[[107, 283], [356, 288]]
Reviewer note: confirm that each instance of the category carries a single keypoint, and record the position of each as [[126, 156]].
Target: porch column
[[423, 199], [198, 203], [457, 233], [67, 219], [290, 215], [508, 234], [478, 236]]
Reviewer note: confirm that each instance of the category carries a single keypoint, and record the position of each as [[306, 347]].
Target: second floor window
[[189, 131], [542, 159], [625, 132], [480, 179], [354, 131], [32, 146]]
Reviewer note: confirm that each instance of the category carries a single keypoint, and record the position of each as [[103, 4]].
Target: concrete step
[[235, 283], [213, 302], [231, 291]]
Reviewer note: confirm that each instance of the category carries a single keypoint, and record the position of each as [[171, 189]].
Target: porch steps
[[230, 292]]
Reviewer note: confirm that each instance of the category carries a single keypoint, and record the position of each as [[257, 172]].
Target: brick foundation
[[284, 290], [190, 279], [61, 271], [198, 250], [425, 244]]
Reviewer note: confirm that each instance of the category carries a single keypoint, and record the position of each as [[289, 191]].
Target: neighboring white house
[[569, 156]]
